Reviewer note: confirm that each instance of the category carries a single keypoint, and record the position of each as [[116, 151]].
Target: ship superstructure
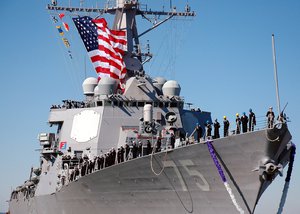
[[136, 149]]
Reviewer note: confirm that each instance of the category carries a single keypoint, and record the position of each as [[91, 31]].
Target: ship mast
[[125, 20], [125, 12], [275, 75]]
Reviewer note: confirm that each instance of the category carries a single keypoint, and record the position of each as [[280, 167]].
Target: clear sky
[[222, 59]]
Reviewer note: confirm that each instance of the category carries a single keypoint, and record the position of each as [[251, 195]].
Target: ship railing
[[261, 123], [69, 104], [73, 169], [24, 192], [76, 168]]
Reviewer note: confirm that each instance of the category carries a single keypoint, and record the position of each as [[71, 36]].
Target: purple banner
[[215, 159]]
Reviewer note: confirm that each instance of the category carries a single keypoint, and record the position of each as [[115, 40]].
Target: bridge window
[[141, 104], [173, 105], [133, 104]]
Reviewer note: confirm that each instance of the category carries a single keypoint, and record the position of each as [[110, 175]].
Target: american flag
[[105, 47]]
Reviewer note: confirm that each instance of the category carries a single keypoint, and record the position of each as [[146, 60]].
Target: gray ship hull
[[189, 183]]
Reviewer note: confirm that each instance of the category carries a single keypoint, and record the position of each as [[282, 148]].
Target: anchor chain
[[287, 179]]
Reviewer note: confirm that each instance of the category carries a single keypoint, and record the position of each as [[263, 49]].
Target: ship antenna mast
[[125, 12], [275, 75]]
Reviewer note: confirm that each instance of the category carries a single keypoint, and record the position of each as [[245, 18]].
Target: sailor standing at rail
[[252, 120], [140, 149], [134, 150], [114, 155], [208, 129], [64, 174], [238, 124], [98, 163], [148, 148], [119, 155], [216, 129], [72, 174], [172, 140], [122, 153], [101, 161], [244, 120], [199, 131], [158, 145], [76, 173], [127, 149], [226, 126], [270, 115], [83, 169]]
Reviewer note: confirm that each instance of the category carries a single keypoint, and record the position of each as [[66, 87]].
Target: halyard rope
[[222, 175]]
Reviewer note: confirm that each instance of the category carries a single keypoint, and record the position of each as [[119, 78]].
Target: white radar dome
[[96, 91], [171, 88], [89, 85], [158, 83], [107, 86]]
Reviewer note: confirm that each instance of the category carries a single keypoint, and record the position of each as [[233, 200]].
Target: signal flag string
[[67, 51], [62, 33]]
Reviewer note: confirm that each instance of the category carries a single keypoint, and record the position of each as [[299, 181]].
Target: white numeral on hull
[[195, 173], [204, 186], [171, 163]]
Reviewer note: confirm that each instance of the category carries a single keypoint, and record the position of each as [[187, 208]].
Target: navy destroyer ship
[[131, 147]]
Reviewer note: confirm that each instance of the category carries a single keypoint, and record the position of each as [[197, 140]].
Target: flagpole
[[275, 74]]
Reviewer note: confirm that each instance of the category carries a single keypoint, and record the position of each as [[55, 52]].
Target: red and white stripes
[[108, 58]]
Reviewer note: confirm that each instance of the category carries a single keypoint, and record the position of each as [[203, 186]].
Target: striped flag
[[105, 47], [66, 26]]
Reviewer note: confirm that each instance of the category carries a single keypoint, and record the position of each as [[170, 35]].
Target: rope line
[[151, 160], [287, 179], [177, 194], [222, 175], [162, 171]]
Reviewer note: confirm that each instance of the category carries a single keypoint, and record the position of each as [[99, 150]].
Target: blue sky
[[222, 59]]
